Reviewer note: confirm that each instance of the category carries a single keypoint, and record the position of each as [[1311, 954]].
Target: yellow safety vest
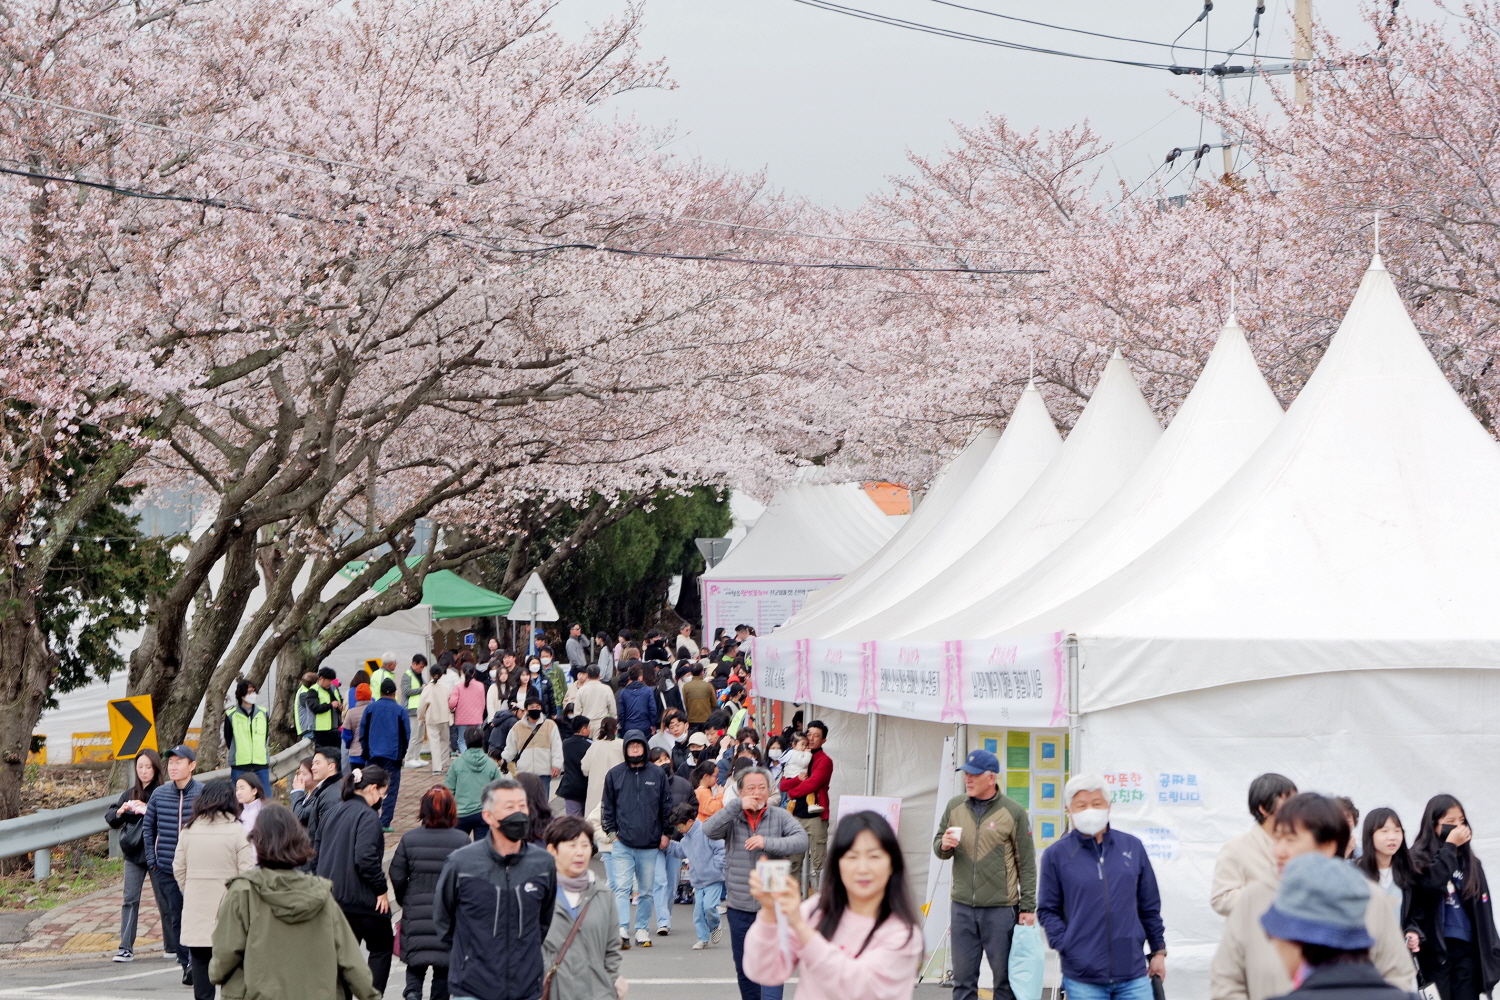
[[377, 678], [416, 691], [323, 721], [249, 733]]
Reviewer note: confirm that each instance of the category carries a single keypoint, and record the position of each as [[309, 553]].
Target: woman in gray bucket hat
[[1317, 924]]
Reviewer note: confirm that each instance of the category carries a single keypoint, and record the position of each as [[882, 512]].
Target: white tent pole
[[531, 636], [872, 724], [1075, 748]]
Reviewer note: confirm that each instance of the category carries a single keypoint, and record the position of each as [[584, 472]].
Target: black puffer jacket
[[637, 803], [415, 868], [353, 847]]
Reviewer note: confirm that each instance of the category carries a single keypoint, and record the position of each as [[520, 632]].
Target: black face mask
[[515, 827], [535, 713], [636, 761]]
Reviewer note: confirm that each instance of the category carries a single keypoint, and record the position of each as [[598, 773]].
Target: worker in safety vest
[[409, 693], [247, 733], [326, 705], [304, 715], [381, 672]]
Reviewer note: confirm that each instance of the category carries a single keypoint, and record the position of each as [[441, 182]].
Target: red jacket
[[819, 774]]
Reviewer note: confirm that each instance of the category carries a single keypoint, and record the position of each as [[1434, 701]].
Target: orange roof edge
[[891, 498]]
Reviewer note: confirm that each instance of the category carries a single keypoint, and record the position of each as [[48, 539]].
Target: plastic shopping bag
[[1028, 963]]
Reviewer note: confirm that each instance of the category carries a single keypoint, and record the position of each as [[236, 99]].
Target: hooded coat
[[637, 802], [353, 846], [467, 777], [281, 936]]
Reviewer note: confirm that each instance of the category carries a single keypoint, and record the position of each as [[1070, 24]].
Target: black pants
[[416, 973], [373, 930], [474, 825], [202, 988], [169, 904], [981, 931], [1457, 976]]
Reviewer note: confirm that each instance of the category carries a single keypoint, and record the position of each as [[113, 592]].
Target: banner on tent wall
[[1012, 682], [763, 604]]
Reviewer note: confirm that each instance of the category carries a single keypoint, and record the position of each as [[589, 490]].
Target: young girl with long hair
[[1385, 861], [860, 937], [212, 850], [1460, 951]]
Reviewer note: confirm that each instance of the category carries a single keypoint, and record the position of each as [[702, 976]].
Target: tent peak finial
[[1118, 354], [1377, 263]]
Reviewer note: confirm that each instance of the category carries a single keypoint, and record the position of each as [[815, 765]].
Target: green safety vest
[[416, 691], [249, 733], [323, 721], [376, 679]]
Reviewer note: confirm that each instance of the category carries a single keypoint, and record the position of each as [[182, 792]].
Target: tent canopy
[[810, 531], [451, 596]]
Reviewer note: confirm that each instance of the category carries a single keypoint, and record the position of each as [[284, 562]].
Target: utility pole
[[1303, 49]]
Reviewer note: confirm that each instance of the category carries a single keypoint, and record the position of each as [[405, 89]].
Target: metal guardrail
[[46, 828]]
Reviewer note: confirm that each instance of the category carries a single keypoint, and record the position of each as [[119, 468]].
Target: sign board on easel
[[935, 906]]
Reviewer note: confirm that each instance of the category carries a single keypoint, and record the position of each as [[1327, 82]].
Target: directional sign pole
[[532, 633]]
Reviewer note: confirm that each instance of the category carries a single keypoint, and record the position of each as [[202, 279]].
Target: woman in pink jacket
[[861, 936], [467, 702]]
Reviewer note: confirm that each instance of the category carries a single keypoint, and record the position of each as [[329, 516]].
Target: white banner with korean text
[[1016, 682]]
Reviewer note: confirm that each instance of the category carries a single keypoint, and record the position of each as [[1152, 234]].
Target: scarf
[[574, 884]]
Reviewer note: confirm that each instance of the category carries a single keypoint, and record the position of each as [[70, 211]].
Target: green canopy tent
[[451, 596]]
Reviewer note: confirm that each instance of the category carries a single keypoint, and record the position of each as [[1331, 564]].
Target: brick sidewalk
[[91, 925]]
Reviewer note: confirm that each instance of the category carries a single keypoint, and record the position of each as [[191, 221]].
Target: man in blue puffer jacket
[[637, 703], [1098, 902], [167, 811]]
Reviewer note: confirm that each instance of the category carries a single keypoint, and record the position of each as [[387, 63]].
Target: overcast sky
[[829, 105]]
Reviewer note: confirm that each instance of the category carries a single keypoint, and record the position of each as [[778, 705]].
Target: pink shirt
[[467, 703], [886, 970]]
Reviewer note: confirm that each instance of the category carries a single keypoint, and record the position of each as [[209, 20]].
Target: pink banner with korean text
[[1017, 682]]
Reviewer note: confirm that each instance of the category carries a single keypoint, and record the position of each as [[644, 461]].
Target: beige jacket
[[212, 851], [432, 707], [594, 701], [542, 755], [1245, 859], [1247, 967], [597, 760]]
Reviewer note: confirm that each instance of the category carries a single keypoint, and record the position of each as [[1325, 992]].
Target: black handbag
[[133, 840]]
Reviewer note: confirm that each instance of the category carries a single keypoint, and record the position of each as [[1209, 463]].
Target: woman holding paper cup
[[861, 936]]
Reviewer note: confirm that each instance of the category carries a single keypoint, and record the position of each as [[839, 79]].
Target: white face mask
[[1090, 822], [775, 753], [546, 660]]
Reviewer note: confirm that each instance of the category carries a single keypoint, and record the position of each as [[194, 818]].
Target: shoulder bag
[[563, 951]]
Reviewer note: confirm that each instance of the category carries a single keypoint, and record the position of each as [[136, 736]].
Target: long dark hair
[[1427, 844], [372, 774], [536, 802], [834, 899], [216, 799], [143, 792], [1402, 870]]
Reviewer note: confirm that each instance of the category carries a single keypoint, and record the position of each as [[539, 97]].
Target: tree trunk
[[27, 667]]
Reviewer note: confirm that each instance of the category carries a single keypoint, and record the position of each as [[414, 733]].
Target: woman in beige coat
[[434, 714], [605, 753], [211, 851]]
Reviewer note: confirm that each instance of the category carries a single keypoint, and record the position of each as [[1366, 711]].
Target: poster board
[[761, 604]]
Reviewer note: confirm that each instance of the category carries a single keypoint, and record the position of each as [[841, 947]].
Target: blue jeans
[[1127, 989], [739, 926], [665, 888], [635, 867], [706, 900], [388, 807], [263, 773]]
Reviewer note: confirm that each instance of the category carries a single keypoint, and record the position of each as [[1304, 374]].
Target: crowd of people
[[655, 756]]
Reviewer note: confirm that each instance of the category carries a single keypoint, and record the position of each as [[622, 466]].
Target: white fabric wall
[[1384, 738]]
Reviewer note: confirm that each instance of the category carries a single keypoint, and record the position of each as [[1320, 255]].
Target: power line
[[540, 249], [1060, 27], [896, 22]]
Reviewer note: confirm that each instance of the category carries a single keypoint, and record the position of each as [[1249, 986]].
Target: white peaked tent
[[1029, 444], [1330, 613], [1223, 420], [810, 536], [949, 488], [1113, 436]]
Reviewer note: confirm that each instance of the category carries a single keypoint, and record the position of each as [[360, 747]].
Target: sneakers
[[642, 938], [722, 909], [187, 976], [718, 933], [663, 931], [388, 829], [699, 945], [624, 938], [124, 955]]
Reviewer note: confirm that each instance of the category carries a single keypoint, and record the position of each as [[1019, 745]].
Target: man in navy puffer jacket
[[637, 704], [1098, 902], [167, 811]]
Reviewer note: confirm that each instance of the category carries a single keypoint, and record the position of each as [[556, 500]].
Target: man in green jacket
[[988, 837], [468, 776]]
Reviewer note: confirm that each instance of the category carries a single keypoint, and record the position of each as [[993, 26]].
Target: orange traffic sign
[[132, 726]]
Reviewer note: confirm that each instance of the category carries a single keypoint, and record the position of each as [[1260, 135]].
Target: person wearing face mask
[[1450, 906], [637, 809], [552, 672], [494, 904], [536, 685], [351, 855], [1246, 965], [1099, 904], [988, 836], [247, 731], [535, 744]]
